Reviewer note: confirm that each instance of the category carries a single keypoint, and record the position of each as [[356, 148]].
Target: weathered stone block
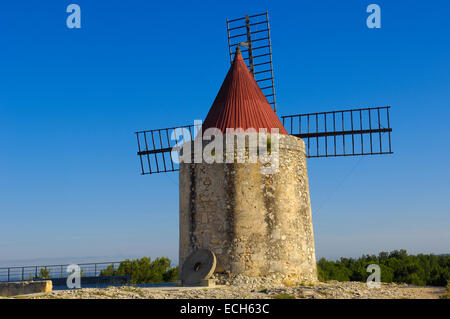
[[24, 287]]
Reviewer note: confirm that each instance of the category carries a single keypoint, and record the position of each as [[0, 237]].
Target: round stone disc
[[199, 265]]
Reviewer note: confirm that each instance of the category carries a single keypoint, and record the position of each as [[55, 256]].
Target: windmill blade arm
[[338, 133], [364, 131], [161, 150]]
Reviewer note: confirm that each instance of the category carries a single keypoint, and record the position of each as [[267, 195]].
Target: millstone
[[199, 265]]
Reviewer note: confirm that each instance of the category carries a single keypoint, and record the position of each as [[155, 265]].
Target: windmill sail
[[354, 132], [253, 34], [157, 148]]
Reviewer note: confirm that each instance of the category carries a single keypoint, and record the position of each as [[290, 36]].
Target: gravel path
[[330, 290]]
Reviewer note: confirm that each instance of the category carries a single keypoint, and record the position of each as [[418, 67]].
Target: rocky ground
[[245, 287]]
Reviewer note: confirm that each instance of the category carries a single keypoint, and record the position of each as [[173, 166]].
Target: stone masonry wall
[[255, 224]]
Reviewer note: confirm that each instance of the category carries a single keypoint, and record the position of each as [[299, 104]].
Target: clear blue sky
[[70, 101]]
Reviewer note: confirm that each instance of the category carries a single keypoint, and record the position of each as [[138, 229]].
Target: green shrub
[[396, 266], [43, 274], [144, 270]]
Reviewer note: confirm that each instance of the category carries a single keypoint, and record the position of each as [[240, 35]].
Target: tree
[[145, 270], [396, 266]]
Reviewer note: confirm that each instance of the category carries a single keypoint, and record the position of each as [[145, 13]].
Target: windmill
[[350, 132]]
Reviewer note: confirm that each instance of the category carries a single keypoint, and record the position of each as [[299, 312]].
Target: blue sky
[[71, 100]]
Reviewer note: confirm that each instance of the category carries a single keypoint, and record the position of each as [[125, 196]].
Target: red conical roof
[[240, 103]]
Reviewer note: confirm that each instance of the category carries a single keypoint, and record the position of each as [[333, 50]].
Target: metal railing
[[52, 272]]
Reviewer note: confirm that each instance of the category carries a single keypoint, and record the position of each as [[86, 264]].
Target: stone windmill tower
[[256, 224], [255, 215]]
